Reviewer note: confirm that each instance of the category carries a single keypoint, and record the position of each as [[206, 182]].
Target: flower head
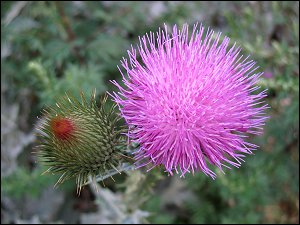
[[190, 102], [80, 140]]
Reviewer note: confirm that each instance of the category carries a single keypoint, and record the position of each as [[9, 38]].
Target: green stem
[[123, 167]]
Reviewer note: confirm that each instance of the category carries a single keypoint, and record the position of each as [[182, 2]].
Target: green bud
[[78, 139]]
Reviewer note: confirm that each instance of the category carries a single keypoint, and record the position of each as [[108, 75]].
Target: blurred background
[[48, 48]]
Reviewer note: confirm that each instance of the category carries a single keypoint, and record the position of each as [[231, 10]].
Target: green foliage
[[51, 52], [17, 184], [157, 217]]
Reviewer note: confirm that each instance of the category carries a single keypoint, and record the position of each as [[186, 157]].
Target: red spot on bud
[[63, 128]]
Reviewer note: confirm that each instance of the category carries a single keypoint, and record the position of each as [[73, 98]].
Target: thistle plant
[[78, 139], [190, 102]]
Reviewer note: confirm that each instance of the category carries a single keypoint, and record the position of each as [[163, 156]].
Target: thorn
[[113, 179], [115, 168], [94, 94], [47, 171], [78, 190], [128, 157]]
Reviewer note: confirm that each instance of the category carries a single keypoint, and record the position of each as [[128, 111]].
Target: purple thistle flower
[[190, 101]]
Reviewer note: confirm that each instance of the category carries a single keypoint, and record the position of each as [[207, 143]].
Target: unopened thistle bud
[[80, 140]]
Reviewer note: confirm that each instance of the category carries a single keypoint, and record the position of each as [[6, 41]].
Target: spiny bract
[[79, 139], [190, 102]]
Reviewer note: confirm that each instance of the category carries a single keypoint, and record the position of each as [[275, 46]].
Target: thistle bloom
[[190, 102]]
